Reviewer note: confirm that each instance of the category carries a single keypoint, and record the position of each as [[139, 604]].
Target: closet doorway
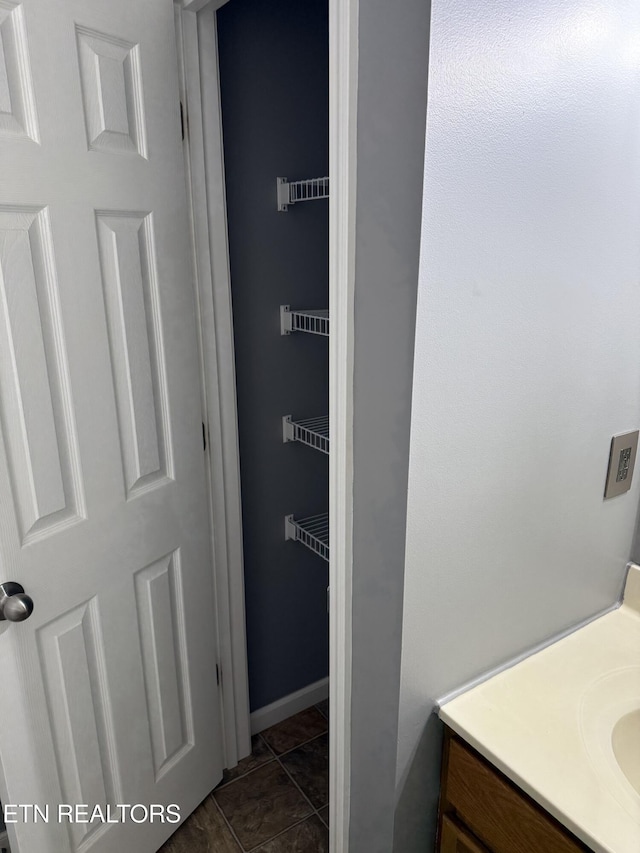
[[274, 261]]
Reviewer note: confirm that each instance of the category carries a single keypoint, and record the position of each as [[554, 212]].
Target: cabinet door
[[455, 840]]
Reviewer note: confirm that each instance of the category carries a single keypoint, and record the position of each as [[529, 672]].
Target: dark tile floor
[[274, 801]]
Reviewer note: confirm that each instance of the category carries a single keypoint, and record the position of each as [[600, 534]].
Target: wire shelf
[[315, 321], [312, 531], [295, 191], [314, 432]]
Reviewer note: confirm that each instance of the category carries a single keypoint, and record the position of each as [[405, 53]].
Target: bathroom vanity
[[478, 801], [545, 756]]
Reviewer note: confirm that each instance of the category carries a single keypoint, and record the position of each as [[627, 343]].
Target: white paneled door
[[108, 693]]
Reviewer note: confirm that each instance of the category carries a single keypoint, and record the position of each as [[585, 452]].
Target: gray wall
[[392, 75], [527, 354], [274, 86]]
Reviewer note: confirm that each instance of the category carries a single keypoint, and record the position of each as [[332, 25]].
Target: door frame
[[198, 60], [204, 169], [343, 90]]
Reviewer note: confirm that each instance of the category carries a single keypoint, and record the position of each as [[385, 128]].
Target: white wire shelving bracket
[[314, 432], [291, 192], [314, 321], [312, 531]]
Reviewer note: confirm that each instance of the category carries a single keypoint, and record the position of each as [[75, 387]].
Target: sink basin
[[625, 741], [610, 730]]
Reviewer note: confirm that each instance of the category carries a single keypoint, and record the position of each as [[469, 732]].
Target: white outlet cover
[[622, 459]]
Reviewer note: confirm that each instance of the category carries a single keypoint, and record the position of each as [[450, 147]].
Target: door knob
[[15, 604]]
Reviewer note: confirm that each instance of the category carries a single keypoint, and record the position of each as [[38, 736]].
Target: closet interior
[[273, 61]]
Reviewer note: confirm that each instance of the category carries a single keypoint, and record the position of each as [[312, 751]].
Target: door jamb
[[343, 90], [198, 77], [196, 22]]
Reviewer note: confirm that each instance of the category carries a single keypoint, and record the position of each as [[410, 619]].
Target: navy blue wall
[[274, 87]]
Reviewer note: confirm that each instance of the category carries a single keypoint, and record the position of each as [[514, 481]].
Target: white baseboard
[[289, 705]]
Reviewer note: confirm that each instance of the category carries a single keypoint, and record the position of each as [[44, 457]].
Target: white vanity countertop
[[547, 724]]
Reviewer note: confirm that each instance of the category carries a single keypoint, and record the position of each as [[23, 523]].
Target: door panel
[[33, 373], [112, 92], [71, 658], [108, 691], [130, 283], [17, 108], [160, 613]]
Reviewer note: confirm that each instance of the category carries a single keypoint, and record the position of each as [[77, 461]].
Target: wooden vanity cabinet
[[455, 839], [481, 811]]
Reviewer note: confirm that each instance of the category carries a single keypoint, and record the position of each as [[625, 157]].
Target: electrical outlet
[[622, 458]]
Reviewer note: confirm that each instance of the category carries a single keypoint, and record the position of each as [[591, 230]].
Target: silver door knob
[[15, 604]]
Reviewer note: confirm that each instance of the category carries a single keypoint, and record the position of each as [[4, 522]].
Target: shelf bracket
[[292, 192], [314, 321], [314, 432], [312, 532], [285, 320], [287, 429], [283, 194], [290, 529]]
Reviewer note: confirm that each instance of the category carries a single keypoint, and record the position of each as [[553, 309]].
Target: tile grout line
[[303, 743], [278, 757], [244, 775], [275, 757], [223, 785], [315, 810], [325, 823], [273, 837], [322, 712], [224, 818]]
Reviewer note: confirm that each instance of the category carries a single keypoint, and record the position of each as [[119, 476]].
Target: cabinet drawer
[[455, 839], [506, 820]]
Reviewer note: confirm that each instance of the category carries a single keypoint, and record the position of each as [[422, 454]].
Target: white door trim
[[204, 120], [343, 81], [198, 71], [196, 5]]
